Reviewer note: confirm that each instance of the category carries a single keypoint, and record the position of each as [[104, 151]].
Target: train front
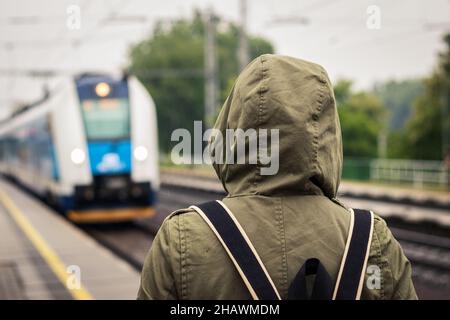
[[120, 129]]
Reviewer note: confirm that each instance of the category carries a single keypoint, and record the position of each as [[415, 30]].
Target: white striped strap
[[239, 248], [253, 272], [350, 278]]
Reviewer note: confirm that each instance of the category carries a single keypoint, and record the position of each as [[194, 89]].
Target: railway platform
[[43, 256]]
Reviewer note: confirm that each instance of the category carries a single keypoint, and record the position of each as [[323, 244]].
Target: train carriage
[[89, 146]]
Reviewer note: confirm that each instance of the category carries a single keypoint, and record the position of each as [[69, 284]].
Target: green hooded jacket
[[290, 216]]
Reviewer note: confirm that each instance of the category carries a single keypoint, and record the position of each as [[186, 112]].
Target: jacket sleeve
[[396, 268], [159, 277]]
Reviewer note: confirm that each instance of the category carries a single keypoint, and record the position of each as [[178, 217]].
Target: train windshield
[[106, 118], [105, 107]]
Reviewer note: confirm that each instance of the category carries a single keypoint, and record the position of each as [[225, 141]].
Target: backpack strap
[[239, 248], [321, 288], [350, 278]]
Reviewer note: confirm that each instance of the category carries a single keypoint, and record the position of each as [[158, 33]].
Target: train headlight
[[102, 89], [77, 156], [140, 153]]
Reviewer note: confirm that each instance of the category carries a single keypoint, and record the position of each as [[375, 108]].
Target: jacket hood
[[295, 97]]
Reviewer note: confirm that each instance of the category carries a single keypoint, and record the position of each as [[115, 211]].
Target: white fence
[[410, 171]]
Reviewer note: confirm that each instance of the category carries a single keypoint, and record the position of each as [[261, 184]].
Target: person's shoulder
[[175, 225], [192, 235], [185, 213], [381, 228], [385, 248], [176, 213], [183, 219]]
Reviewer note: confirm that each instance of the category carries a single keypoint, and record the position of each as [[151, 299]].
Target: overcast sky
[[34, 35]]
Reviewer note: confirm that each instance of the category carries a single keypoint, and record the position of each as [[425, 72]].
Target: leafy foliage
[[424, 129], [420, 116], [362, 116], [170, 65], [398, 96]]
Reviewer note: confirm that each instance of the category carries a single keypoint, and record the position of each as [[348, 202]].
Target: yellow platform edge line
[[47, 253]]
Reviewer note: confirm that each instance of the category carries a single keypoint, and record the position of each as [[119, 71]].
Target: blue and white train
[[89, 147]]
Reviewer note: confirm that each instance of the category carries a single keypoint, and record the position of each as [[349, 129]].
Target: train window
[[106, 118]]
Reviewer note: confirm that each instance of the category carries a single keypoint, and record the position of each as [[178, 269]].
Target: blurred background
[[389, 63]]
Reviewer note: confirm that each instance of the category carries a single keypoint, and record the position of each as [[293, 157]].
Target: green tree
[[362, 117], [342, 90], [425, 128], [398, 97], [397, 145], [170, 65]]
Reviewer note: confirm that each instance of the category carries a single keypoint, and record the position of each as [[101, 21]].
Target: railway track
[[429, 256], [132, 240], [428, 253]]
